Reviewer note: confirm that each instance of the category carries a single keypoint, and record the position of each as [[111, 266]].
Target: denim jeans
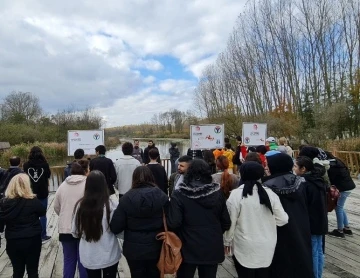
[[71, 259], [341, 216], [317, 255], [43, 219]]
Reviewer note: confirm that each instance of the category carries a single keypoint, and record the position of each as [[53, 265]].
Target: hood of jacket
[[146, 200], [204, 194], [283, 184], [10, 208], [315, 180], [324, 163], [75, 179]]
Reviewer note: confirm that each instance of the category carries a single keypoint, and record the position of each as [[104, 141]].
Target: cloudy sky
[[128, 59]]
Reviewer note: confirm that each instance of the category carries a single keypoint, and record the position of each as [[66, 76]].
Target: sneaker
[[337, 234], [45, 239], [348, 232]]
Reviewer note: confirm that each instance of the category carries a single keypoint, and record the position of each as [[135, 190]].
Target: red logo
[[197, 128], [76, 134], [255, 126]]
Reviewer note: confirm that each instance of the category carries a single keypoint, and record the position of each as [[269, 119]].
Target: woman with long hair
[[199, 216], [99, 249], [226, 180], [19, 212], [315, 190], [255, 212], [39, 172], [140, 215], [66, 197]]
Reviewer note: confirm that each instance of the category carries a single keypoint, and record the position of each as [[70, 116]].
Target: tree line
[[22, 120], [172, 123], [293, 64]]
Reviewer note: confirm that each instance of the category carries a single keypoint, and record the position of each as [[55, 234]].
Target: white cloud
[[92, 53]]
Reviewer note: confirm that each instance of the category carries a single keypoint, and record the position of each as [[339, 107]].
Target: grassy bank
[[52, 151]]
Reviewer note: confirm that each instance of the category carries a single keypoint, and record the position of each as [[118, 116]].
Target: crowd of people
[[257, 204]]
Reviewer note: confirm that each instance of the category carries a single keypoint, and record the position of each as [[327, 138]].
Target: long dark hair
[[36, 153], [91, 207], [142, 175]]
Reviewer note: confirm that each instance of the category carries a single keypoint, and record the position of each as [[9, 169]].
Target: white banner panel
[[254, 134], [87, 140], [207, 136]]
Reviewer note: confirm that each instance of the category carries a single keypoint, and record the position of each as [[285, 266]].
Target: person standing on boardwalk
[[106, 166], [158, 171], [199, 215], [19, 213], [140, 215], [39, 172], [255, 211], [138, 152], [66, 197], [339, 175], [174, 155], [124, 168], [78, 154], [178, 177], [315, 190], [227, 181], [13, 170], [151, 145], [293, 252], [99, 249]]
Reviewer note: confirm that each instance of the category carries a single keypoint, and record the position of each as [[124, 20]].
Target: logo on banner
[[217, 129], [197, 128], [76, 134], [247, 140], [255, 126], [96, 136]]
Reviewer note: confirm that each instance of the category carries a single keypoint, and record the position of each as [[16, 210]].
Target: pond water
[[162, 144]]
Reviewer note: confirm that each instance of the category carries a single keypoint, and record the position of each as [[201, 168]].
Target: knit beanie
[[279, 163]]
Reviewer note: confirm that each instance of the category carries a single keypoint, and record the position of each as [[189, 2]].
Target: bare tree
[[21, 107]]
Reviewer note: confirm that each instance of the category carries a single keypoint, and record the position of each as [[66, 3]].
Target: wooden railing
[[57, 174]]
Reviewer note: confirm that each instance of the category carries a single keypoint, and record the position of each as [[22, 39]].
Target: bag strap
[[164, 221]]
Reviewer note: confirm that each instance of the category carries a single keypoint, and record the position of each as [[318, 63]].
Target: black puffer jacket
[[21, 217], [315, 190], [339, 175], [140, 215], [199, 215], [39, 173]]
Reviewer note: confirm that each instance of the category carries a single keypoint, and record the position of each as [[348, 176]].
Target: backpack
[[170, 255], [332, 196]]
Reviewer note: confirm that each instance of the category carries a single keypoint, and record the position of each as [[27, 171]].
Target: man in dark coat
[[106, 166], [150, 146], [13, 170], [293, 252]]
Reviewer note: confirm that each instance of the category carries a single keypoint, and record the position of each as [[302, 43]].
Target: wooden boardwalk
[[342, 256]]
